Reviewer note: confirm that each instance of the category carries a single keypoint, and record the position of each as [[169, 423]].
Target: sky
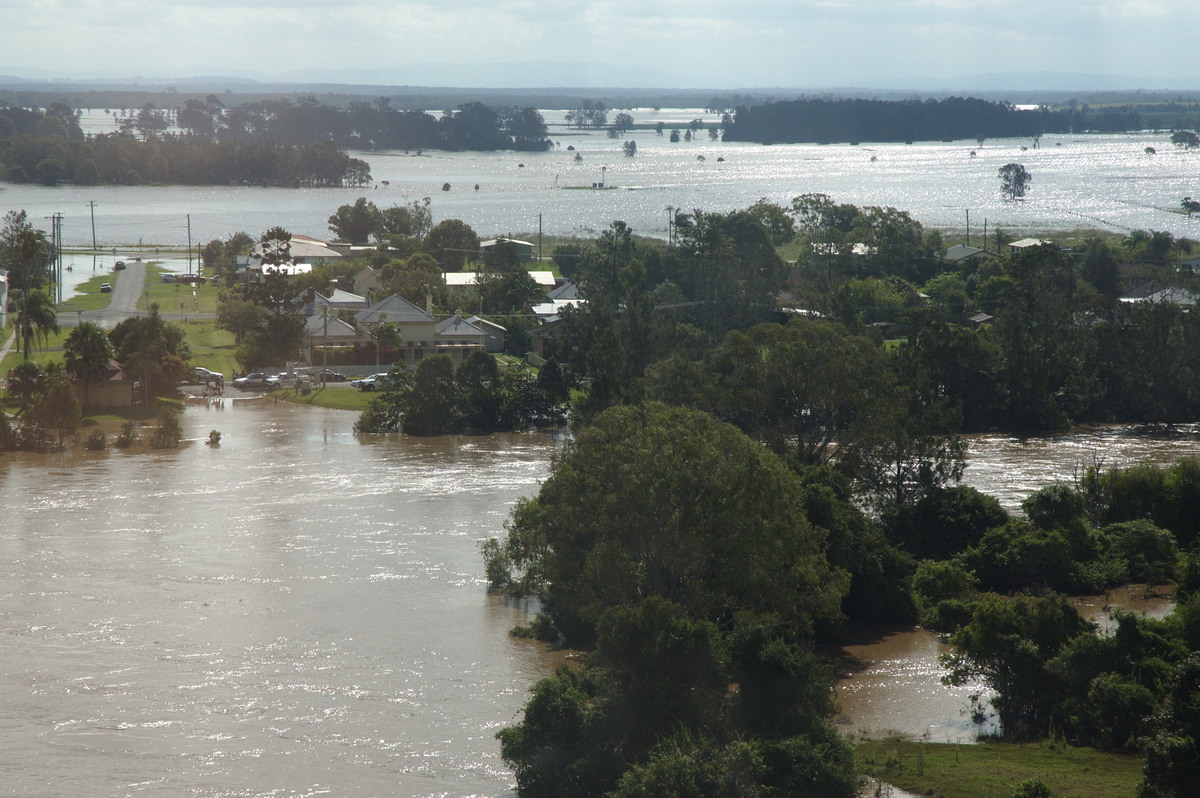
[[660, 43]]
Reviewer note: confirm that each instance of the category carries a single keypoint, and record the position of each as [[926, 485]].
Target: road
[[127, 288]]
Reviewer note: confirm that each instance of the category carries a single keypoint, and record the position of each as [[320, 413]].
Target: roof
[[1028, 242], [1175, 296], [464, 279], [554, 307], [494, 241], [961, 252], [567, 290], [336, 329], [302, 248], [394, 309], [486, 325], [458, 327]]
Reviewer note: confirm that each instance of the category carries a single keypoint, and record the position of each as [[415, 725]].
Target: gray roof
[[457, 326], [395, 309]]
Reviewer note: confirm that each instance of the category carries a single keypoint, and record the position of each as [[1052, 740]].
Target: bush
[[169, 431], [127, 436], [96, 441]]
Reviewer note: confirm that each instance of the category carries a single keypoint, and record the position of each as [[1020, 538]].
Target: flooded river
[[302, 612], [294, 612], [893, 684]]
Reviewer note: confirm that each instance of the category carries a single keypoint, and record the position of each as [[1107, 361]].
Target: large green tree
[[718, 527], [86, 355], [356, 223]]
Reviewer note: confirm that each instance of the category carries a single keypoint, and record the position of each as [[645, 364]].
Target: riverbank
[[993, 770]]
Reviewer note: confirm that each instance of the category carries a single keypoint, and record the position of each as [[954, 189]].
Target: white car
[[372, 383], [203, 375]]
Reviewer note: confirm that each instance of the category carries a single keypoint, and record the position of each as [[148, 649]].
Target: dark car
[[119, 265], [328, 375]]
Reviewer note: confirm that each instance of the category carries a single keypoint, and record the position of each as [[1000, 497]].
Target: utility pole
[[189, 225]]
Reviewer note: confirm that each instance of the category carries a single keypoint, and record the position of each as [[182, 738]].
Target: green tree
[[37, 317], [413, 220], [416, 278], [154, 351], [1172, 768], [1185, 139], [1014, 181], [1008, 644], [56, 407], [453, 243], [692, 537], [433, 398], [356, 223], [86, 355], [240, 317]]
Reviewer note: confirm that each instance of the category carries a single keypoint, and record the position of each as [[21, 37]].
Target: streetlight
[[670, 219]]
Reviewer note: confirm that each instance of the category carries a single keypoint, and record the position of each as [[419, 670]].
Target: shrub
[[169, 431], [96, 441], [127, 436]]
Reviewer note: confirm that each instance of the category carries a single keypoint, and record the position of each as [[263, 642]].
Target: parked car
[[105, 288], [203, 375], [256, 381], [372, 383], [329, 375]]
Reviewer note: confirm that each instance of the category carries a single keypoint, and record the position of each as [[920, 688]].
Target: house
[[495, 333], [1026, 243], [304, 252], [524, 249], [366, 281], [313, 303], [458, 338], [1175, 296], [115, 390], [457, 281], [326, 330], [564, 296], [420, 333], [961, 252], [541, 338]]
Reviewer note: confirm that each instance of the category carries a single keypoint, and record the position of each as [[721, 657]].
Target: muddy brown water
[[299, 611], [892, 682]]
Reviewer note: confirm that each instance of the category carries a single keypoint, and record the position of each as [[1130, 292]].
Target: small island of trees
[[270, 143]]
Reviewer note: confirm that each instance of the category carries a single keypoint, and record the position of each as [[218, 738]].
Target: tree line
[[270, 142], [852, 120]]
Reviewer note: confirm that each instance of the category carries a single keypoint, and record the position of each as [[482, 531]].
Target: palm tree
[[86, 354], [37, 317]]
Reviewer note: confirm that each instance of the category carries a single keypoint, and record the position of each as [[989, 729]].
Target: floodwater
[[300, 611], [1095, 181], [892, 684], [294, 612]]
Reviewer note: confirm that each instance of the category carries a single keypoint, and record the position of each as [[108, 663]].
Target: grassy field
[[177, 297], [211, 348], [337, 398], [993, 770]]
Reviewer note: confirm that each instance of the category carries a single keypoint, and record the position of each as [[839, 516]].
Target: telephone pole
[[92, 208]]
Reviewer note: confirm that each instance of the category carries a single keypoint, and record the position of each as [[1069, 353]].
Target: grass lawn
[[176, 297], [993, 770], [88, 296], [211, 348], [338, 398]]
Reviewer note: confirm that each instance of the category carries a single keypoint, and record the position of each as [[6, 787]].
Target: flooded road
[[294, 612]]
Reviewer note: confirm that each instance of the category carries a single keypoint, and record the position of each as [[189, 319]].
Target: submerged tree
[[1014, 181]]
